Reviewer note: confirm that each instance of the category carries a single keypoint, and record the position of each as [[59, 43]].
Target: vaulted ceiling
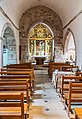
[[66, 9]]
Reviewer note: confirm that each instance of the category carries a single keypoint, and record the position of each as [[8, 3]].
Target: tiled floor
[[46, 103]]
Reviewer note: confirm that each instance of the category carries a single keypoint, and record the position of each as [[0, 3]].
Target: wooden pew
[[69, 68], [55, 65], [22, 66], [7, 86], [58, 75], [19, 66], [12, 110], [27, 64], [75, 94], [18, 69], [21, 71], [60, 66], [78, 113], [79, 73], [17, 72], [64, 87], [19, 77]]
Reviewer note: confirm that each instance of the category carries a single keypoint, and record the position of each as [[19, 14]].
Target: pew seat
[[19, 77], [15, 86], [74, 95], [78, 113], [13, 109]]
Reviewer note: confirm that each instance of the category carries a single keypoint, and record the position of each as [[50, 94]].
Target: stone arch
[[40, 42], [5, 26], [33, 16], [68, 34], [33, 25], [8, 45]]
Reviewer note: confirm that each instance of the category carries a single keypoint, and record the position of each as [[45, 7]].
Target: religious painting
[[39, 45]]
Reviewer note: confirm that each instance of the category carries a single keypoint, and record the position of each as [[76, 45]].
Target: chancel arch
[[70, 47], [32, 17], [8, 45], [40, 42]]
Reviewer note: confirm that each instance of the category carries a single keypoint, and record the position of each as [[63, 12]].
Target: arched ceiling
[[66, 9]]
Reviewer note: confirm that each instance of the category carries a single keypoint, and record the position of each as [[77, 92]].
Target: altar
[[40, 60]]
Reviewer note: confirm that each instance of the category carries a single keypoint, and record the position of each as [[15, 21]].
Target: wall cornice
[[76, 16], [5, 14]]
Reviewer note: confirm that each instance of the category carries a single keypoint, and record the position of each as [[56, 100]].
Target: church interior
[[40, 59]]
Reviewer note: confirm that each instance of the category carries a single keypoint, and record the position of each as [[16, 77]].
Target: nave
[[46, 103]]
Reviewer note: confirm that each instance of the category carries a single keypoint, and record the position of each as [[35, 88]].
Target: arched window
[[9, 47], [70, 47]]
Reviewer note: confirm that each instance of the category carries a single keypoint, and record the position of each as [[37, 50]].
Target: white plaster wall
[[66, 9], [71, 44], [16, 32], [76, 27], [10, 7], [3, 21]]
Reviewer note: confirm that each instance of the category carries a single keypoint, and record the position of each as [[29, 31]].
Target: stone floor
[[46, 102]]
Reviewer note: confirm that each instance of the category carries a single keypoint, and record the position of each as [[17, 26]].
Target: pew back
[[14, 86], [12, 109], [66, 80], [75, 93]]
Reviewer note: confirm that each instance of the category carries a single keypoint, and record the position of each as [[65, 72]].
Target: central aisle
[[46, 102]]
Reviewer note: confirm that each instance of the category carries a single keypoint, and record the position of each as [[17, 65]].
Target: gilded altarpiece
[[40, 42]]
